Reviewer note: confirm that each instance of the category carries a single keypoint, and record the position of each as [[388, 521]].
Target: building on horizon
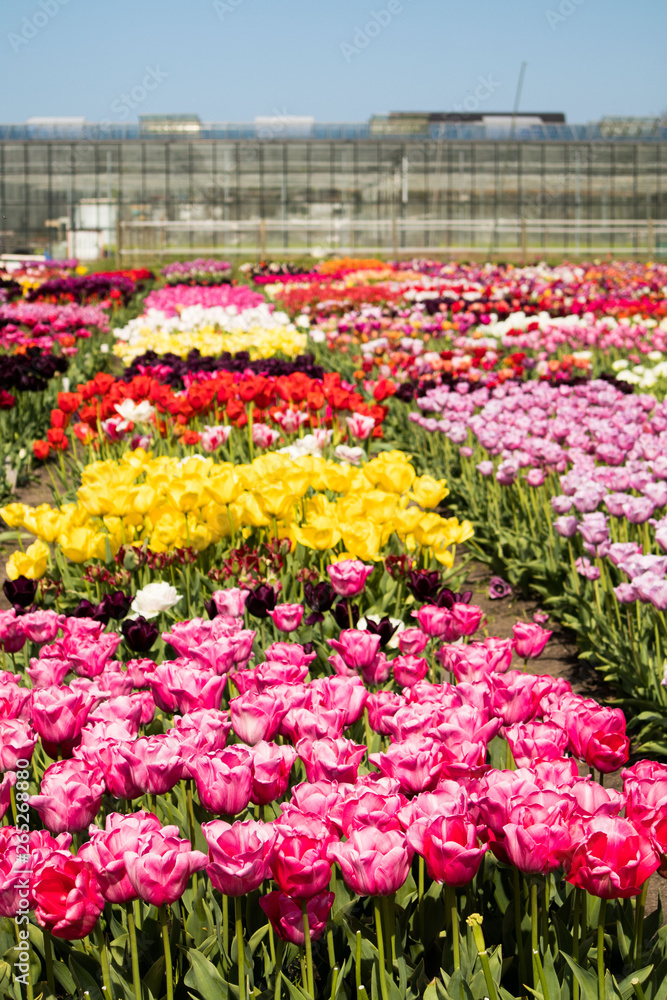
[[428, 182]]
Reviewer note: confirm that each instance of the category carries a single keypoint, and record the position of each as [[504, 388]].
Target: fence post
[[650, 243], [394, 236], [119, 230], [262, 238]]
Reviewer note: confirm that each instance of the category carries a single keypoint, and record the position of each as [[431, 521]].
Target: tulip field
[[257, 738]]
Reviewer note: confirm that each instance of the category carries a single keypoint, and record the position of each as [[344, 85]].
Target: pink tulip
[[409, 670], [360, 426], [289, 653], [271, 766], [125, 773], [331, 759], [161, 758], [346, 693], [348, 577], [529, 639], [416, 764], [70, 796], [160, 868], [256, 717], [287, 617], [40, 626], [59, 715], [230, 602], [450, 850], [434, 621], [358, 649], [239, 855], [287, 918], [300, 866], [367, 807], [373, 862], [178, 686], [536, 740], [105, 851], [412, 641], [6, 785], [223, 780]]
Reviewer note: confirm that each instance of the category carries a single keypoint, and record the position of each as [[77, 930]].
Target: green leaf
[[205, 978], [85, 981], [64, 977], [588, 983], [295, 992], [626, 988]]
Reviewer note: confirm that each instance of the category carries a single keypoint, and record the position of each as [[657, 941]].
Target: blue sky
[[231, 60]]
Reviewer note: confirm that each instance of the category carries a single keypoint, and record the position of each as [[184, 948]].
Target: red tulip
[[67, 897], [613, 860]]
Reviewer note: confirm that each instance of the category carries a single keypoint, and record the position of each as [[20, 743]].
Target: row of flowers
[[330, 794]]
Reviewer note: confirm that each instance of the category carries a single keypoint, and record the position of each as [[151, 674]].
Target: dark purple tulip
[[116, 605], [139, 634], [424, 584], [319, 597], [383, 628], [20, 591], [342, 614], [260, 601]]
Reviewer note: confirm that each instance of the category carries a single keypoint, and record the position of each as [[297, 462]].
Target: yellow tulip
[[31, 563], [429, 492], [14, 514]]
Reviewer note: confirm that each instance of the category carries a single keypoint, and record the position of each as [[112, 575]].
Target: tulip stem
[[420, 897], [278, 971], [451, 905], [168, 970], [639, 924], [334, 981], [132, 934], [600, 954], [309, 948], [517, 925], [225, 931], [378, 930], [240, 954], [575, 940], [48, 961], [357, 966], [104, 960]]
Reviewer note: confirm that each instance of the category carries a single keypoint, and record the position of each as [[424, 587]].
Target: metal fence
[[526, 238]]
